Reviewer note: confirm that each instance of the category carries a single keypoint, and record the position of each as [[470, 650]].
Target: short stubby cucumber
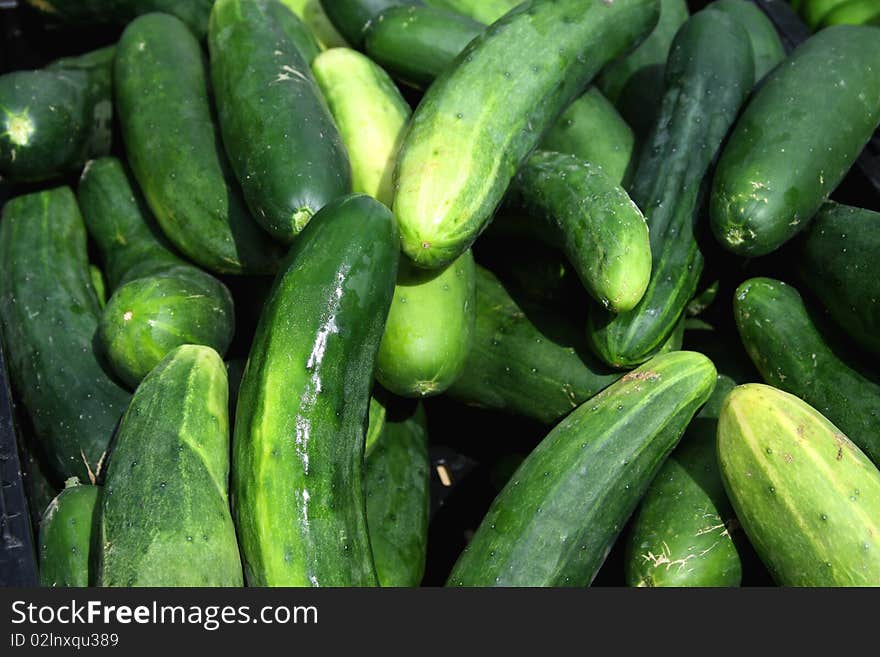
[[164, 512], [478, 123], [766, 45], [66, 535], [807, 497], [49, 314], [353, 17], [786, 346], [298, 447], [485, 11], [429, 330], [370, 113], [279, 135], [398, 497], [791, 146], [709, 74], [174, 149], [582, 210], [558, 516]]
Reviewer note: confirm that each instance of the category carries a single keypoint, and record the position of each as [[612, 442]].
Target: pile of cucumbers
[[261, 256]]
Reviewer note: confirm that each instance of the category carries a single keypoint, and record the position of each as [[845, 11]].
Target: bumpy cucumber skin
[[796, 139], [680, 535], [430, 329], [526, 360], [710, 72], [180, 166], [398, 499], [556, 519], [766, 45], [299, 432], [593, 220], [278, 132], [312, 14], [837, 259], [484, 11], [164, 512], [853, 12], [370, 114], [592, 130], [447, 188], [66, 536], [49, 314], [805, 495], [353, 17], [790, 353], [653, 51]]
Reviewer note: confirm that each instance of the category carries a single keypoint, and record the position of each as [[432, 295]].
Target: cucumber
[[592, 219], [790, 353], [312, 14], [100, 286], [53, 119], [766, 45], [291, 162], [759, 200], [484, 11], [164, 514], [681, 533], [370, 114], [808, 499], [416, 44], [295, 31], [653, 51], [176, 155], [49, 314], [526, 359], [66, 535], [835, 255], [815, 10], [429, 330], [398, 498], [352, 17], [592, 130], [477, 124], [709, 74], [164, 302], [853, 12], [298, 448], [555, 521]]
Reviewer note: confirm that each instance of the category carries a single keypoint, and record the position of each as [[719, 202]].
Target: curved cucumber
[[484, 11], [398, 499], [370, 113], [353, 17], [710, 73], [290, 161], [312, 14], [66, 535], [592, 219], [298, 449], [853, 12], [759, 200], [556, 519], [808, 499], [766, 45], [49, 313], [477, 124], [429, 330], [790, 353]]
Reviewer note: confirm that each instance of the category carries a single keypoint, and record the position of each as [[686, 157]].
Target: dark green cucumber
[[478, 123], [53, 119], [416, 44], [49, 314], [312, 15], [790, 353], [66, 535], [526, 359], [430, 329], [162, 301], [651, 53], [837, 259], [164, 516], [397, 491], [280, 137], [709, 74], [853, 12], [759, 198], [681, 533], [353, 17], [584, 212], [766, 45], [807, 498], [556, 519], [298, 449], [174, 149], [484, 11]]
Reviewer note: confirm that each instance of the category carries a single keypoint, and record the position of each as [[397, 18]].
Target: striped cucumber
[[66, 535]]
